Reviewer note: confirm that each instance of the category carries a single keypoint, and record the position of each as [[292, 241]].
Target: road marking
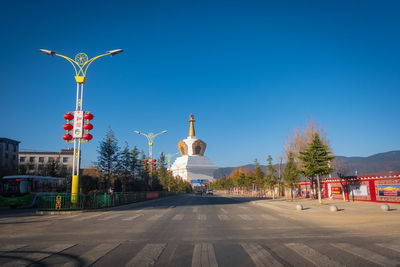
[[269, 217], [89, 217], [204, 256], [132, 217], [178, 217], [110, 217], [195, 209], [312, 255], [245, 217], [224, 210], [366, 254], [30, 258], [394, 247], [70, 216], [243, 208], [155, 217], [202, 217], [260, 256], [148, 256], [92, 255], [223, 217]]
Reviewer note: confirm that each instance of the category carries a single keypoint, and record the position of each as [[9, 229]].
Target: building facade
[[37, 162], [8, 156], [192, 165]]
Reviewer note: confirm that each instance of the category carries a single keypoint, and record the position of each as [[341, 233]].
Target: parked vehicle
[[209, 192]]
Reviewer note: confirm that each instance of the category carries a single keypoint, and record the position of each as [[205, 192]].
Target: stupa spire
[[191, 129]]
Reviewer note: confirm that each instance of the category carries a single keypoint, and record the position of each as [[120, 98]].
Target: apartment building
[[34, 162], [8, 156]]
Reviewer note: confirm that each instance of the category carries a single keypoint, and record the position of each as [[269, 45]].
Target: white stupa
[[192, 165]]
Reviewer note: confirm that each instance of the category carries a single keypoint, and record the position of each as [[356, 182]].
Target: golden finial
[[191, 129]]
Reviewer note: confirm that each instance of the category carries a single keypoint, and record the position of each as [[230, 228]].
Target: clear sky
[[250, 72]]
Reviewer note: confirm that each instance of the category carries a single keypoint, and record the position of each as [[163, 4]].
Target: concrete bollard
[[299, 207], [385, 207], [333, 208]]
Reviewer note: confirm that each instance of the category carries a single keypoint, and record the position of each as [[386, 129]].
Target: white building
[[34, 162], [192, 164]]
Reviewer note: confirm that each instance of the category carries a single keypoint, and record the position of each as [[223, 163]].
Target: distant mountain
[[378, 163]]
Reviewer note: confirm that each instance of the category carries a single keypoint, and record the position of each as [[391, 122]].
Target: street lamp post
[[81, 63], [150, 138]]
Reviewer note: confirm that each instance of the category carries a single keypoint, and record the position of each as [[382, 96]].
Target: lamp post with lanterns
[[81, 119]]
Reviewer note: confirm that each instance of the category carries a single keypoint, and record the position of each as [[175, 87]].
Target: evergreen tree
[[162, 171], [271, 178], [316, 160], [291, 173], [125, 168], [259, 176], [108, 158]]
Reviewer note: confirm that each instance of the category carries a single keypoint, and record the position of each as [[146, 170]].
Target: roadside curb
[[67, 212]]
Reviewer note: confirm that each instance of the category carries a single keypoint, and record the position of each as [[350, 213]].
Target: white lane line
[[69, 216], [260, 256], [131, 218], [37, 256], [204, 256], [148, 256], [394, 247], [223, 217], [201, 217], [269, 217], [110, 217], [93, 255], [155, 217], [224, 210], [88, 217], [312, 255], [245, 217], [366, 254], [178, 217]]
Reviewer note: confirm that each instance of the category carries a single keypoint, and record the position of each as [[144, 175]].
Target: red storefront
[[378, 187]]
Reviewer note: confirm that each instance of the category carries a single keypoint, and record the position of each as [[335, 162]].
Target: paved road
[[188, 230]]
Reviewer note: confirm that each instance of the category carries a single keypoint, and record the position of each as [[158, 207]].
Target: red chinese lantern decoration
[[87, 136], [154, 160], [68, 116], [88, 116], [67, 137], [154, 165], [68, 127], [88, 126]]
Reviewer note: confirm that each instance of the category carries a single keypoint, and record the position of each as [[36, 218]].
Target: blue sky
[[250, 72]]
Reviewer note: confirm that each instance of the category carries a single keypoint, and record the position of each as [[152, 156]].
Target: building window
[[40, 167], [6, 156], [15, 148], [6, 146], [22, 159], [31, 167], [51, 159], [41, 159], [65, 159], [14, 157], [31, 159]]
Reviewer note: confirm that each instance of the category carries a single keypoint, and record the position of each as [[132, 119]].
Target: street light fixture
[[81, 63], [150, 138]]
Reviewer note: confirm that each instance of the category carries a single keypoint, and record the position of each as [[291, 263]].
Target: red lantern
[[146, 160], [68, 127], [87, 136], [68, 116], [154, 165], [67, 137], [154, 160], [88, 126], [88, 116]]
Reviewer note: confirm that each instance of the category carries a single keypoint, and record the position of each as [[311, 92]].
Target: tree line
[[307, 155], [125, 170]]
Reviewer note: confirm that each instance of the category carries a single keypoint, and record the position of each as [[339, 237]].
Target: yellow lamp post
[[150, 138], [81, 63]]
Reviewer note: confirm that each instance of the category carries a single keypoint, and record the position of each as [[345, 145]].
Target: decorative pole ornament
[[80, 119]]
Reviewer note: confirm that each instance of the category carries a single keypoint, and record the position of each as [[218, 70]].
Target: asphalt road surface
[[188, 230]]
